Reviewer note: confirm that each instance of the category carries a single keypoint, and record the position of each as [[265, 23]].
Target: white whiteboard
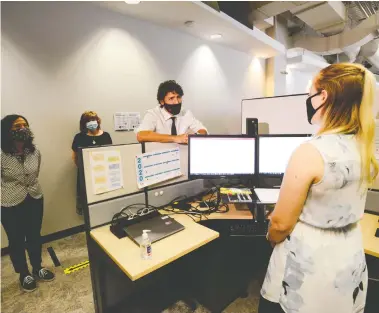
[[152, 146], [284, 114], [128, 154], [157, 166]]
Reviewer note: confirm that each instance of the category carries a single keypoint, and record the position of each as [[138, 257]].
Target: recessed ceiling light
[[132, 2], [216, 36], [189, 23]]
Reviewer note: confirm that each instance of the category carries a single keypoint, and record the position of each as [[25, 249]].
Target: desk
[[122, 257], [164, 251], [369, 225]]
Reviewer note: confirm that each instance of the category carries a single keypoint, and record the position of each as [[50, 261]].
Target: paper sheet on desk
[[267, 195]]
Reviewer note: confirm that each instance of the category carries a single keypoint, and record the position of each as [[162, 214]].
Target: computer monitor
[[216, 156], [275, 152]]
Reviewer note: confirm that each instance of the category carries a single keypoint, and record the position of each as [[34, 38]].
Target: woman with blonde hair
[[318, 262], [90, 135]]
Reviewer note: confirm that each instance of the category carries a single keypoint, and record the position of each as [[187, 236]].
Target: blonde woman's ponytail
[[366, 133]]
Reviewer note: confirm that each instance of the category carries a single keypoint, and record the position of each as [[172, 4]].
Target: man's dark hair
[[166, 87], [6, 137]]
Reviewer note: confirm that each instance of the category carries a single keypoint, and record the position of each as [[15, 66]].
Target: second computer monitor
[[217, 156], [276, 150]]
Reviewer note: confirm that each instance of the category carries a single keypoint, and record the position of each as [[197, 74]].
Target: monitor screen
[[219, 156], [275, 152]]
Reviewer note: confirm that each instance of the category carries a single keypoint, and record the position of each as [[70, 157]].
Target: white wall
[[298, 82], [62, 58]]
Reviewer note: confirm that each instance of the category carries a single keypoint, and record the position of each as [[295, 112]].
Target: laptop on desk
[[160, 227]]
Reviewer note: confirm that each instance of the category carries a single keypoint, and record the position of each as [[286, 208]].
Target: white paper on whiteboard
[[157, 166], [126, 120], [106, 171]]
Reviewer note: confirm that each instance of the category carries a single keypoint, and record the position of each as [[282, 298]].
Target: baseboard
[[4, 251], [54, 236]]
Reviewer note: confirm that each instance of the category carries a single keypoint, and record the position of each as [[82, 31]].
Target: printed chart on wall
[[106, 171], [157, 166], [126, 120], [377, 139]]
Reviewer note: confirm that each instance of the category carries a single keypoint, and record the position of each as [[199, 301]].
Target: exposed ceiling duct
[[327, 17], [263, 11], [354, 38], [354, 42], [303, 60], [351, 53], [335, 30], [370, 52]]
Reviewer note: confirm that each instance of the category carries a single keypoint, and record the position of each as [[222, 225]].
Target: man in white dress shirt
[[168, 122]]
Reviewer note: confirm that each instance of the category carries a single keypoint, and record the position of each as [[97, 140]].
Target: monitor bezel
[[201, 176], [275, 135]]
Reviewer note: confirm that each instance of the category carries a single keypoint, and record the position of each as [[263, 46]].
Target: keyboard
[[239, 198], [237, 195]]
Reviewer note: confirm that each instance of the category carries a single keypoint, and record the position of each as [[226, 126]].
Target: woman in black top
[[90, 135], [22, 199]]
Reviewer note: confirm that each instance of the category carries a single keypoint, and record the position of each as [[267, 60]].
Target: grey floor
[[73, 293]]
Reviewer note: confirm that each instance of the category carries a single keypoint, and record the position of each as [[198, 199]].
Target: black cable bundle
[[124, 218], [193, 210]]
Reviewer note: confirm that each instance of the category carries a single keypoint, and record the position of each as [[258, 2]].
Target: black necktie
[[173, 127]]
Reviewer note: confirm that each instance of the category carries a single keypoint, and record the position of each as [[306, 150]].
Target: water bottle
[[146, 252]]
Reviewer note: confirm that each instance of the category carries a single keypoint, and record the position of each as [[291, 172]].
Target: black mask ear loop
[[311, 111]]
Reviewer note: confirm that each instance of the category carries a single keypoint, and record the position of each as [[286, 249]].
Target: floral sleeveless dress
[[321, 267]]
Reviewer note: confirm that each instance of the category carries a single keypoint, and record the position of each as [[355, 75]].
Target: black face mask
[[23, 134], [174, 109], [310, 110]]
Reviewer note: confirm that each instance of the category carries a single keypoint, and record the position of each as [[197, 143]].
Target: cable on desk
[[143, 210], [194, 210]]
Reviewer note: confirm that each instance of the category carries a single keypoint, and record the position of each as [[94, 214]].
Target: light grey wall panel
[[103, 212], [164, 195]]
